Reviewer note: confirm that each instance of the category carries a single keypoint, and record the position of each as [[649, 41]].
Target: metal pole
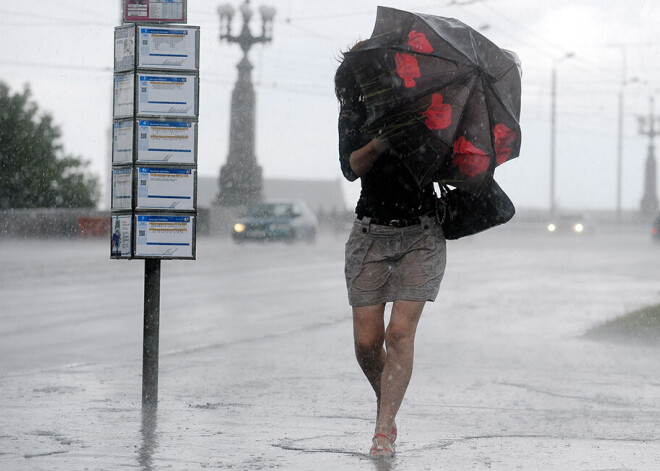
[[649, 204], [553, 130], [619, 158], [151, 328], [553, 97]]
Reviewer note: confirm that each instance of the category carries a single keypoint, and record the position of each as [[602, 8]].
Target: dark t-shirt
[[389, 191]]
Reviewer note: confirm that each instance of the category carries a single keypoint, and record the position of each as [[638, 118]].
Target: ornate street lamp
[[240, 178]]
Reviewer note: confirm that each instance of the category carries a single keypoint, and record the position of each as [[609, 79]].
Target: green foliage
[[34, 171], [641, 326]]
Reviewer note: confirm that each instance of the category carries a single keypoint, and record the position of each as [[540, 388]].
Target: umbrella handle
[[440, 202]]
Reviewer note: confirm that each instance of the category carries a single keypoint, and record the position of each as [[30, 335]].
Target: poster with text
[[166, 188], [122, 188], [169, 48], [120, 244], [160, 11], [122, 142], [166, 141], [124, 96], [167, 95], [164, 236], [124, 48]]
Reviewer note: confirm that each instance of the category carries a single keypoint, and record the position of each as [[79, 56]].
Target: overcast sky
[[64, 50]]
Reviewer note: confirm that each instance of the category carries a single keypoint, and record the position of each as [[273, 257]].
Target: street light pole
[[619, 153], [553, 129], [619, 150], [553, 139], [649, 126], [240, 177]]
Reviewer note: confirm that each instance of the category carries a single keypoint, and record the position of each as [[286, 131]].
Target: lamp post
[[649, 126], [240, 178], [553, 128], [619, 153]]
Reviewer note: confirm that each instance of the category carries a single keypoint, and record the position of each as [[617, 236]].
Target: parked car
[[276, 220], [570, 224], [655, 229]]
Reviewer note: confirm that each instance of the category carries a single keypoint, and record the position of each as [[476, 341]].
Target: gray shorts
[[385, 263]]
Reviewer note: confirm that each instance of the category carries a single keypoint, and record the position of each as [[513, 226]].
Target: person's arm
[[357, 150], [362, 159]]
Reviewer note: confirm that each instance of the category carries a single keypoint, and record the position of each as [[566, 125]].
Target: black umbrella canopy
[[441, 95]]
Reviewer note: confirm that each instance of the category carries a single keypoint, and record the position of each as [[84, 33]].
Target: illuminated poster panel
[[167, 95], [122, 188], [166, 188], [124, 93], [122, 142], [159, 11], [120, 243], [167, 141], [169, 48], [164, 236]]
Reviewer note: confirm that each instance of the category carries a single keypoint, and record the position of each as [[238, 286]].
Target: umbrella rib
[[499, 100], [504, 72], [423, 17], [397, 48], [429, 92], [458, 126], [469, 62], [493, 157], [509, 111]]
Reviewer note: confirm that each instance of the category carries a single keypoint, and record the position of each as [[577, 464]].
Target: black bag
[[462, 214]]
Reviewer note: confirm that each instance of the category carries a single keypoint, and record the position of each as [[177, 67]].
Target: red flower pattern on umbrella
[[503, 137], [469, 159], [407, 68], [438, 114], [418, 42]]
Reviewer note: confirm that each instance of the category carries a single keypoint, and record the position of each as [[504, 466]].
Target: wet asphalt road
[[257, 370]]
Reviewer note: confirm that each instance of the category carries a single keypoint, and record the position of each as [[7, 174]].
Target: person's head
[[346, 87]]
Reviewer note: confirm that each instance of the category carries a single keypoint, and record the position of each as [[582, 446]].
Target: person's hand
[[363, 159], [379, 146]]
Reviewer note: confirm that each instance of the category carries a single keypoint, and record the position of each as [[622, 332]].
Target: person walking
[[395, 253]]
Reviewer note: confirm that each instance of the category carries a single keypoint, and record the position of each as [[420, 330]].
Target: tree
[[34, 170]]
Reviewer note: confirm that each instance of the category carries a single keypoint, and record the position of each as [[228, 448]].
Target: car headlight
[[552, 227], [578, 227], [238, 227]]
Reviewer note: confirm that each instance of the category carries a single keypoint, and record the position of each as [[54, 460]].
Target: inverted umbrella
[[441, 95]]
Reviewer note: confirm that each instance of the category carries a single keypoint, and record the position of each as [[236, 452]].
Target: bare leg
[[369, 337], [400, 343]]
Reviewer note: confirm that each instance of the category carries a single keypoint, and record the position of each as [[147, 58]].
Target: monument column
[[240, 178]]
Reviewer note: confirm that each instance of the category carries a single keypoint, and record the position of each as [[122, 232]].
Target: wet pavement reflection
[[149, 438], [385, 464]]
